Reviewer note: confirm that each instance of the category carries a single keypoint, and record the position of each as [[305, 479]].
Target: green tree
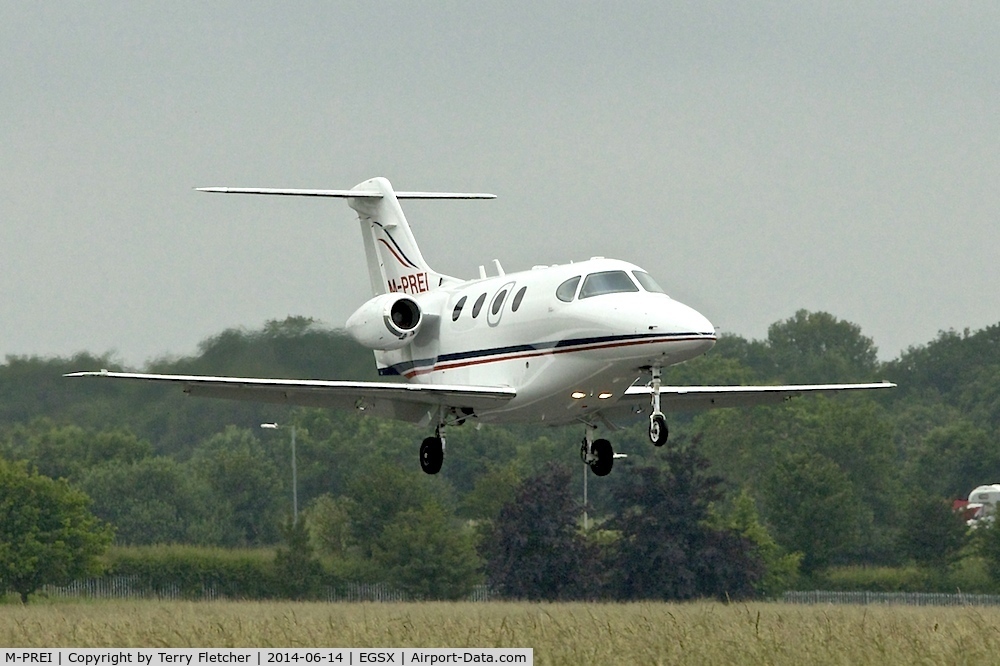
[[979, 396], [855, 435], [781, 569], [67, 451], [953, 459], [668, 549], [246, 485], [296, 347], [33, 387], [533, 550], [477, 452], [329, 520], [813, 509], [986, 542], [298, 571], [932, 533], [424, 553], [47, 534], [818, 347], [379, 492], [491, 491], [155, 500], [945, 365]]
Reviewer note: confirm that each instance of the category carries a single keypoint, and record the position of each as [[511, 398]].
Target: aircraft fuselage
[[566, 357]]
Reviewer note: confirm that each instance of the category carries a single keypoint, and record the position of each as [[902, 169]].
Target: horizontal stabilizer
[[345, 194]]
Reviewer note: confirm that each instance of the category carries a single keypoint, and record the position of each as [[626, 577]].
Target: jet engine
[[386, 322]]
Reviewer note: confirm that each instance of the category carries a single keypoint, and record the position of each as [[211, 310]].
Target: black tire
[[431, 455], [658, 432], [605, 458]]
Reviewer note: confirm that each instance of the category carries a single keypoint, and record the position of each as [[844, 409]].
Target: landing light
[[605, 395], [578, 395]]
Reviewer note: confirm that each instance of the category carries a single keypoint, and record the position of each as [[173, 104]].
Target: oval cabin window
[[498, 302], [518, 297], [478, 306], [457, 312]]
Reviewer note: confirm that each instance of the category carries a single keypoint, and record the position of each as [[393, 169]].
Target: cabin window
[[567, 290], [518, 297], [457, 312], [498, 302], [478, 306], [647, 282], [607, 282]]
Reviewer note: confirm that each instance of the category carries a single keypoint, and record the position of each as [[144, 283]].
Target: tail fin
[[394, 260], [395, 263]]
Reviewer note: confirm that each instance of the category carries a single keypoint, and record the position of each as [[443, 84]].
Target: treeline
[[781, 494]]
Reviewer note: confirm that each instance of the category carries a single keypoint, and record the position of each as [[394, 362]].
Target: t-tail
[[395, 264]]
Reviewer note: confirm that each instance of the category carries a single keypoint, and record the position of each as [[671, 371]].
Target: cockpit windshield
[[647, 282], [606, 282]]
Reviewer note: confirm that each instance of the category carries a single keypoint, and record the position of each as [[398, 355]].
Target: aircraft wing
[[693, 398], [407, 402]]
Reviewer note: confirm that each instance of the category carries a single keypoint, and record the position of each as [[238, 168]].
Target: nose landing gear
[[658, 431]]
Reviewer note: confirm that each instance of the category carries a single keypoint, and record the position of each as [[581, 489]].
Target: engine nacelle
[[386, 322]]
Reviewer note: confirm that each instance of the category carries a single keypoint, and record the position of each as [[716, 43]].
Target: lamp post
[[295, 476]]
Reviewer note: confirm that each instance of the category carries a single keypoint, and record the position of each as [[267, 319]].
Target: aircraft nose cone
[[677, 332], [691, 320], [700, 323], [688, 321]]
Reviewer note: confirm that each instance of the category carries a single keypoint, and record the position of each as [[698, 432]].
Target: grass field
[[637, 633]]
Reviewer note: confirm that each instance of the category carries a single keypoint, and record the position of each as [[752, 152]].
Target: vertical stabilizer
[[394, 260]]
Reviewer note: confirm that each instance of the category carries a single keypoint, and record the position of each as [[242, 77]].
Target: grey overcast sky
[[757, 158]]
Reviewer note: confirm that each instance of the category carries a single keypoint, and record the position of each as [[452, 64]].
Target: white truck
[[982, 504]]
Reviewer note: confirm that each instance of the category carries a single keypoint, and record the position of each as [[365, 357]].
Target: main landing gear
[[432, 452], [597, 453], [432, 448]]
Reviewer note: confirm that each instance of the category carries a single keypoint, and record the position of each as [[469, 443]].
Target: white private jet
[[575, 343]]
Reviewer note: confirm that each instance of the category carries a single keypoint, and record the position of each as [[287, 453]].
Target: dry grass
[[640, 633]]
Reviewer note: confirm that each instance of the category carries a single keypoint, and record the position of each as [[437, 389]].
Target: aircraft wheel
[[658, 430], [605, 458], [431, 455]]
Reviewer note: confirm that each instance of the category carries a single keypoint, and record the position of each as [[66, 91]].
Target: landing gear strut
[[598, 454], [432, 452], [657, 422]]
